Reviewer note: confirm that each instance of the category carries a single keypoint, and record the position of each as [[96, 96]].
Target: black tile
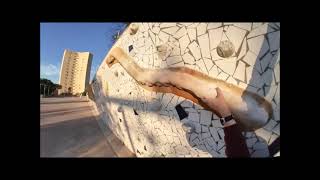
[[130, 48], [181, 112]]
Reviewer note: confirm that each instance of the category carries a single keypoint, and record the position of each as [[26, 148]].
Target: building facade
[[75, 72]]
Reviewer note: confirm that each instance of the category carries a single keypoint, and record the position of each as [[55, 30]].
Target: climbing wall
[[155, 124]]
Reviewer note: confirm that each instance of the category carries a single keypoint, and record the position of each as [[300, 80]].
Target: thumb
[[219, 93]]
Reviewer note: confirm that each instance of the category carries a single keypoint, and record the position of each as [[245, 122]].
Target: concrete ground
[[69, 128]]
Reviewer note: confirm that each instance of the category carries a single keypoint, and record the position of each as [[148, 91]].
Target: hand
[[219, 104]]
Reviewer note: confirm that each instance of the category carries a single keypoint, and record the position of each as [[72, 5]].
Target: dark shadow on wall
[[258, 65], [266, 77]]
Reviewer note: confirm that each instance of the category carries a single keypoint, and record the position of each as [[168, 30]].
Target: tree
[[45, 84]]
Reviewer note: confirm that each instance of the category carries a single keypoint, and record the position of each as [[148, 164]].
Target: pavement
[[69, 127]]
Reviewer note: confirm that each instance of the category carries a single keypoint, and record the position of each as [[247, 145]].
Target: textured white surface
[[150, 125]]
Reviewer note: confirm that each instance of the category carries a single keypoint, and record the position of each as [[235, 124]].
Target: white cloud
[[49, 70]]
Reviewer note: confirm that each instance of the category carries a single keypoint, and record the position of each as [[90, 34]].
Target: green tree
[[46, 84]]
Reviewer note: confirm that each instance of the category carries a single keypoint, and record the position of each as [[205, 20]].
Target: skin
[[249, 109]]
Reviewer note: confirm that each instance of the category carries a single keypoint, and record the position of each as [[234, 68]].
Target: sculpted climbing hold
[[133, 28], [251, 110], [225, 49]]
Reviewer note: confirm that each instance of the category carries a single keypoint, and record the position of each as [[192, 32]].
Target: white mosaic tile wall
[[148, 123]]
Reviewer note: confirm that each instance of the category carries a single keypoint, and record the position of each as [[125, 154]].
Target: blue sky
[[96, 38]]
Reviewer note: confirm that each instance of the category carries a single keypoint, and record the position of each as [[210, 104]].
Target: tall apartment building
[[75, 72]]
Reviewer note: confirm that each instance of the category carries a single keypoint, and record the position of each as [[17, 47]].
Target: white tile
[[220, 144], [231, 80], [186, 103], [173, 42], [214, 25], [194, 117], [191, 110], [193, 136], [181, 32], [227, 65], [204, 45], [243, 50], [163, 64], [265, 61], [201, 28], [208, 63], [255, 25], [214, 116], [270, 125], [214, 133], [263, 29], [253, 77], [205, 135], [171, 30], [263, 134], [276, 129], [273, 26], [155, 30], [221, 133], [211, 142], [186, 24], [270, 92], [250, 58], [175, 51], [260, 92], [260, 153], [195, 50], [213, 71], [192, 33], [184, 42], [272, 138], [166, 99], [153, 37], [236, 36], [173, 102], [194, 25], [258, 45], [268, 77], [145, 26], [215, 37], [197, 128], [277, 73], [243, 85], [240, 71], [186, 50], [164, 25], [275, 60], [223, 76], [205, 117], [224, 37], [204, 128], [197, 106], [250, 134], [251, 141], [245, 26], [217, 124], [201, 65], [180, 64], [274, 40], [260, 145], [173, 60], [164, 37]]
